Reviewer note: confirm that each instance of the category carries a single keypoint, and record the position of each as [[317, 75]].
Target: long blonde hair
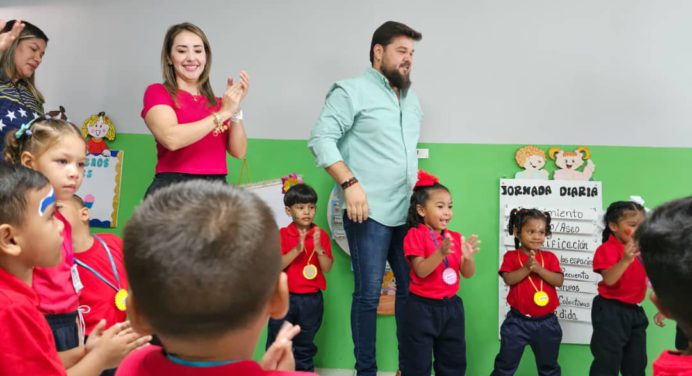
[[169, 78], [7, 64]]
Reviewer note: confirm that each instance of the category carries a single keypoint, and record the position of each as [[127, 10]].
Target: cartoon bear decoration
[[568, 163]]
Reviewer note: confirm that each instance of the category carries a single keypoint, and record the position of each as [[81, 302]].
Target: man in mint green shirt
[[366, 139]]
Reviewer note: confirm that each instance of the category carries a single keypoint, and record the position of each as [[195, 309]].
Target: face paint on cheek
[[46, 202]]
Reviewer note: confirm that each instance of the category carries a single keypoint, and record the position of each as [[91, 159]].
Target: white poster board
[[270, 192], [100, 188], [576, 211]]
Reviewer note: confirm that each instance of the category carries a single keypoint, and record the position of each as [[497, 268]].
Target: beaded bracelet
[[220, 126]]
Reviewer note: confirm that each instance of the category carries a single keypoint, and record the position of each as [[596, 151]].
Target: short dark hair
[[665, 242], [78, 200], [15, 183], [390, 30], [202, 258], [300, 194]]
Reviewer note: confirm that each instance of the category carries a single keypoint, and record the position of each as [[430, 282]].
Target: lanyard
[[305, 249], [192, 363], [437, 245], [97, 274], [529, 276]]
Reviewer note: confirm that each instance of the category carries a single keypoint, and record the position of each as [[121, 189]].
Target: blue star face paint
[[46, 202]]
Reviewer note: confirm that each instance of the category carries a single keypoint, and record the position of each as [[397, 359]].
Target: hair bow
[[25, 129], [289, 181], [425, 179]]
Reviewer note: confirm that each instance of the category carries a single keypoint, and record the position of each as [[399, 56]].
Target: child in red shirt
[[532, 274], [618, 342], [306, 256], [204, 264], [100, 263], [31, 237], [55, 148], [433, 318], [665, 241]]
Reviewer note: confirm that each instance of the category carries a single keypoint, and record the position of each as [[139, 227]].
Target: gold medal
[[310, 272], [120, 299], [541, 298]]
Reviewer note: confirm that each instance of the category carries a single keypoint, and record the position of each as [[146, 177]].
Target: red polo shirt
[[419, 243], [297, 283], [672, 363], [631, 287], [151, 361], [27, 346], [521, 295], [97, 299]]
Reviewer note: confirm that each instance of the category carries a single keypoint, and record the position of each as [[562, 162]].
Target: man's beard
[[396, 78]]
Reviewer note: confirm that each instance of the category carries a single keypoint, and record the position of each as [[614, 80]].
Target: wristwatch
[[238, 116]]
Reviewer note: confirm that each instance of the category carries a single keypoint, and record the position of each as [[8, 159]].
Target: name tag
[[76, 282]]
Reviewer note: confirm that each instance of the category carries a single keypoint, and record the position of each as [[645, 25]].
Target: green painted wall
[[472, 173]]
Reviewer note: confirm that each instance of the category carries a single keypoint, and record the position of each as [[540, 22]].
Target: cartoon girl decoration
[[532, 160], [568, 163], [387, 293], [95, 129]]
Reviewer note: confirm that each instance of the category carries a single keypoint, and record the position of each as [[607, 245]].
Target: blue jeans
[[373, 244]]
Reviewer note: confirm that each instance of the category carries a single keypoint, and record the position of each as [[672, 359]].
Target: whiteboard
[[101, 187], [270, 192], [575, 209]]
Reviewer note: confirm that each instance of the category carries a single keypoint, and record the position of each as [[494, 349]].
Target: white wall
[[608, 72]]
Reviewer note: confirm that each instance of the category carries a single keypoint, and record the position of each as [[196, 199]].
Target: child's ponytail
[[419, 196], [518, 217], [614, 213], [36, 137], [511, 226], [12, 152]]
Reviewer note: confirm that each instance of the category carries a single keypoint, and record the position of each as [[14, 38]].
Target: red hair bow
[[425, 180]]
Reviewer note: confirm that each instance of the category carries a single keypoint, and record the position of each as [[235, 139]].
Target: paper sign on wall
[[575, 210], [271, 193], [100, 188]]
